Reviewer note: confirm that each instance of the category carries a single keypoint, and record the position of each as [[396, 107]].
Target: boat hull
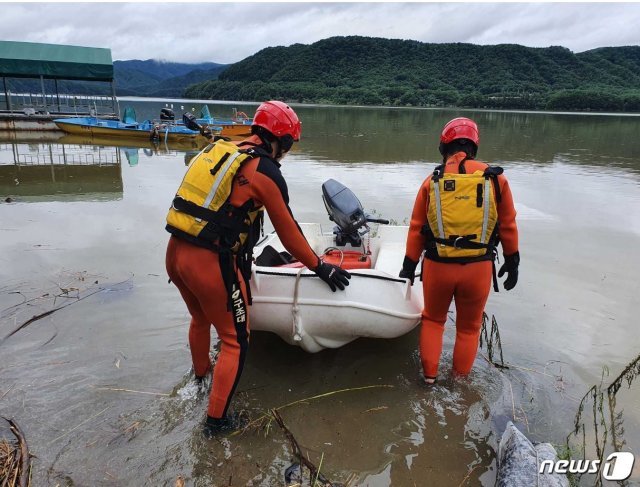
[[303, 311], [228, 127], [107, 129], [235, 130]]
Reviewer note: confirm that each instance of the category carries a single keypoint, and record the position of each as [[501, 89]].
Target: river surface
[[98, 386]]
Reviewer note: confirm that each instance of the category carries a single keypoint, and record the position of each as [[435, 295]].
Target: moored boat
[[237, 126], [114, 128], [294, 303]]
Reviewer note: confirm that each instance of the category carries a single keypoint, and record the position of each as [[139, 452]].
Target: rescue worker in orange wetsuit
[[211, 265], [451, 224]]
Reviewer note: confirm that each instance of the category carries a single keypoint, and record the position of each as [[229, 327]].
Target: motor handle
[[190, 121], [378, 220]]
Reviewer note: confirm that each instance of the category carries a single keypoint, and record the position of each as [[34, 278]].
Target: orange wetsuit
[[469, 283], [196, 271]]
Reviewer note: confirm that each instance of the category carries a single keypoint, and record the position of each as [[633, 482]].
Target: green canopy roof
[[54, 61]]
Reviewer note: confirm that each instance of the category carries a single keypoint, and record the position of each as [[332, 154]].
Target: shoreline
[[329, 105]]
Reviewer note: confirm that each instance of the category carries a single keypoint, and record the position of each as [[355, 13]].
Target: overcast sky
[[229, 32]]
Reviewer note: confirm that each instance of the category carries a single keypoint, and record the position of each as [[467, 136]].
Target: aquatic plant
[[598, 419], [492, 340], [15, 465], [630, 372], [565, 453]]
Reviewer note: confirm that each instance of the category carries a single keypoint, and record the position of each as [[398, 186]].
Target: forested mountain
[[158, 78], [375, 71], [132, 78]]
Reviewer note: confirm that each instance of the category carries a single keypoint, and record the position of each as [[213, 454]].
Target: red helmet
[[460, 128], [278, 118]]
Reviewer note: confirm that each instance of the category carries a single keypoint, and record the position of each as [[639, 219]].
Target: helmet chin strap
[[279, 153], [266, 144]]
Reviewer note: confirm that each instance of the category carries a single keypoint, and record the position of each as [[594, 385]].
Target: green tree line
[[373, 71]]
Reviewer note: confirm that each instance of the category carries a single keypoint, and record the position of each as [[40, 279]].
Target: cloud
[[229, 32]]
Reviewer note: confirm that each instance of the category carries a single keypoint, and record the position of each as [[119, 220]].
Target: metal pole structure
[[15, 154], [6, 94], [53, 171], [57, 94], [44, 95], [114, 101]]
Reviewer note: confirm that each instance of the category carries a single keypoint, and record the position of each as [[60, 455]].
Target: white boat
[[293, 302]]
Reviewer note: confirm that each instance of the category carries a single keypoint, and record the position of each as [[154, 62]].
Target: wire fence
[[60, 154], [64, 104]]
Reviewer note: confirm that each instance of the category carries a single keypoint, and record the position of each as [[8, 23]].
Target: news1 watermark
[[617, 466]]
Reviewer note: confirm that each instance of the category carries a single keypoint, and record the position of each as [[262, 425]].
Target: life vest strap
[[461, 242], [217, 217], [457, 260], [229, 276], [438, 172], [198, 242], [485, 213], [256, 150], [492, 172], [220, 172], [436, 188]]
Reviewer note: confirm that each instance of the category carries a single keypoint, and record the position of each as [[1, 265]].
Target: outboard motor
[[166, 114], [346, 211]]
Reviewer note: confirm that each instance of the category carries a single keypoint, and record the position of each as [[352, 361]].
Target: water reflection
[[131, 153], [51, 171], [396, 433], [51, 166], [388, 135], [149, 146], [383, 135], [572, 313]]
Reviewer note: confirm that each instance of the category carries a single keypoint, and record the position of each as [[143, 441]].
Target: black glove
[[510, 266], [408, 269], [333, 275]]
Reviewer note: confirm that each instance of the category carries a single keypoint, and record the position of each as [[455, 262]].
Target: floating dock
[[41, 82]]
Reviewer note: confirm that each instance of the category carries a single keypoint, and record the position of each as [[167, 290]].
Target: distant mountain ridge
[[132, 78], [159, 78], [377, 71], [359, 70]]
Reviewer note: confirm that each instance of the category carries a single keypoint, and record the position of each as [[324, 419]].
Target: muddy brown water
[[98, 386]]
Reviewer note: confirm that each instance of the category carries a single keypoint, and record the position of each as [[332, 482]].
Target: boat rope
[[368, 276], [295, 309]]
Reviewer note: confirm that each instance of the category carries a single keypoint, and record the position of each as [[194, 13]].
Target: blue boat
[[164, 130]]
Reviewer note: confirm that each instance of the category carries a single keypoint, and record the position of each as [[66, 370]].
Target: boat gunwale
[[336, 304], [293, 272]]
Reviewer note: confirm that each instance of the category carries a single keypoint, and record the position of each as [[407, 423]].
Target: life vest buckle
[[455, 242]]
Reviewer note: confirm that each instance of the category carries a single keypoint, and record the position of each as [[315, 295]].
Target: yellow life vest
[[462, 215], [201, 212]]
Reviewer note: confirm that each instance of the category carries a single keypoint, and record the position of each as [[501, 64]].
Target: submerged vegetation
[[601, 418], [491, 340], [15, 464], [374, 71], [598, 428]]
